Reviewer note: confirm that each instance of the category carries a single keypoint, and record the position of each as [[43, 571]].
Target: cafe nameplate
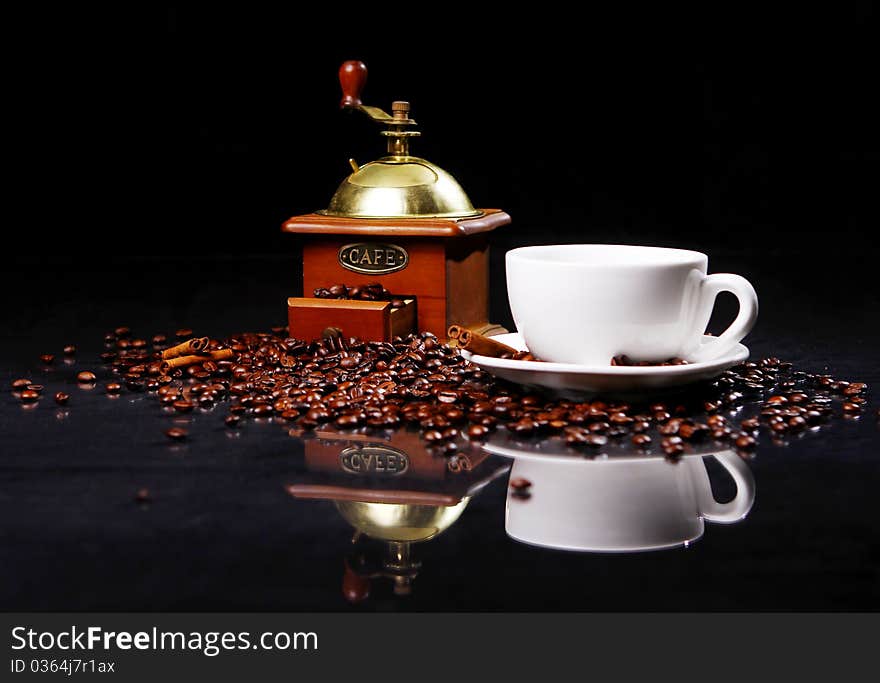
[[376, 460], [373, 258]]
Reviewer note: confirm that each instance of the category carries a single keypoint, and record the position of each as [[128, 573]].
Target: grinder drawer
[[308, 318]]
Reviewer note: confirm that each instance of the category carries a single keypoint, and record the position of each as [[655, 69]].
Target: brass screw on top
[[400, 110]]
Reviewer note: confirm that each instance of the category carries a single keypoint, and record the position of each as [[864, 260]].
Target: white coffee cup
[[587, 303], [622, 504]]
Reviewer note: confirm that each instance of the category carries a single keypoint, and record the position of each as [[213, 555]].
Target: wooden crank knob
[[352, 78]]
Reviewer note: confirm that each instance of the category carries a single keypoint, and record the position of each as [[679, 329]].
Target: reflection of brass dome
[[400, 522], [400, 187]]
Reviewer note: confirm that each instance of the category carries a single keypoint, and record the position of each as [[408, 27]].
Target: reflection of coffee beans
[[521, 488], [176, 433]]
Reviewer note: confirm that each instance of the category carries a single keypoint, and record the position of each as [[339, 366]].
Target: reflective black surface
[[223, 532]]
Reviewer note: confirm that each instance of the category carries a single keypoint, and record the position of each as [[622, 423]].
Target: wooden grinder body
[[446, 263]]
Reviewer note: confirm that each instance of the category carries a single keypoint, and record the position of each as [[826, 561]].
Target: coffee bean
[[183, 333], [20, 384], [176, 433], [595, 440], [477, 432], [732, 398], [745, 442], [29, 396], [69, 350], [113, 388], [122, 332], [232, 421], [641, 440], [850, 407], [432, 435], [672, 446], [350, 420], [135, 384], [183, 406], [750, 425], [813, 417], [716, 420], [61, 398], [450, 433], [85, 377], [693, 432], [670, 428], [721, 433], [319, 414], [520, 484], [797, 423], [47, 359], [522, 427]]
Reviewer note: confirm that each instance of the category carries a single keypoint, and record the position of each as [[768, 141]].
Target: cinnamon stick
[[483, 346], [217, 354], [453, 332], [189, 347], [183, 361]]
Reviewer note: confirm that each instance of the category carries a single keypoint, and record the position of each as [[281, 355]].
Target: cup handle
[[733, 511], [710, 288]]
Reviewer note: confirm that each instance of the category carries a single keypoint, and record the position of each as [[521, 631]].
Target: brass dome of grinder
[[400, 187], [400, 521]]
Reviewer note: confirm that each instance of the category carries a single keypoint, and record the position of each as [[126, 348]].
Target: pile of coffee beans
[[369, 292], [348, 384]]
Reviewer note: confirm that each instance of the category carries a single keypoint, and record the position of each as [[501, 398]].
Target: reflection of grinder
[[400, 221], [394, 493]]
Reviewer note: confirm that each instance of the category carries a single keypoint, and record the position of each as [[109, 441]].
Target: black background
[[172, 133], [153, 147]]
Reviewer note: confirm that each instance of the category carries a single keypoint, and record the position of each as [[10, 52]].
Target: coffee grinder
[[404, 223], [395, 493]]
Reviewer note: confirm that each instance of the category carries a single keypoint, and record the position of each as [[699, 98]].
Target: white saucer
[[568, 379]]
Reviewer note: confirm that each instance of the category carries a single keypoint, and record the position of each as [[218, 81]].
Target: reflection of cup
[[622, 504], [586, 303]]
